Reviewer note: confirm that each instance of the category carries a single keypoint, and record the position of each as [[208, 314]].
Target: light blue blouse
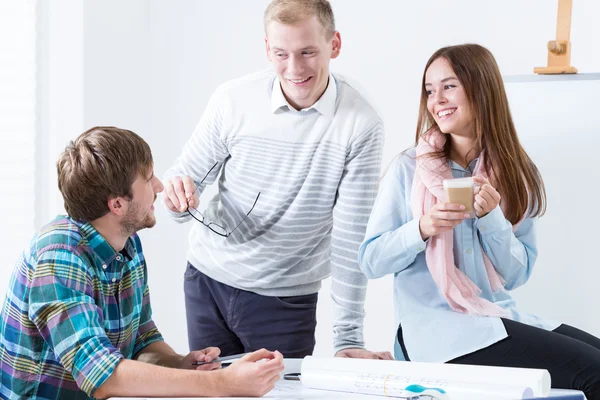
[[432, 331]]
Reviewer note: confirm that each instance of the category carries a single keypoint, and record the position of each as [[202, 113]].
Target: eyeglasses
[[216, 228]]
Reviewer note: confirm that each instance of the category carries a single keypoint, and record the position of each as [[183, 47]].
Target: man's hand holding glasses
[[181, 193], [182, 196]]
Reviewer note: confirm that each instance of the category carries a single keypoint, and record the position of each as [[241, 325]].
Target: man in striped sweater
[[298, 150]]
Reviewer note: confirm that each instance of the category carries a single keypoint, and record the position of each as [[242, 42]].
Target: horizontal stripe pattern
[[316, 173], [65, 324]]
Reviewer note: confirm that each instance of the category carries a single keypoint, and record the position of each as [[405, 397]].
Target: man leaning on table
[[77, 320], [298, 150]]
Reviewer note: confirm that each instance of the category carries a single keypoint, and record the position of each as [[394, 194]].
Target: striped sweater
[[316, 170]]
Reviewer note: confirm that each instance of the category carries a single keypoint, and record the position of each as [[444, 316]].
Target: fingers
[[448, 218], [259, 355], [441, 218], [448, 207], [362, 353], [482, 201], [191, 195], [385, 355], [209, 367], [180, 193], [480, 179], [207, 355], [449, 212], [211, 353], [170, 198], [345, 353], [274, 364], [478, 210], [494, 196], [486, 186], [168, 203], [175, 193]]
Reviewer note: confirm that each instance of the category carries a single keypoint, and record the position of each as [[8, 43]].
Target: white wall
[[561, 132], [17, 128], [151, 66]]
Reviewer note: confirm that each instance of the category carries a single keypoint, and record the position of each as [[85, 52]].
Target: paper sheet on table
[[390, 378]]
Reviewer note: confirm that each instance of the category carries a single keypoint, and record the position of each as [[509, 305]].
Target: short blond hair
[[292, 11]]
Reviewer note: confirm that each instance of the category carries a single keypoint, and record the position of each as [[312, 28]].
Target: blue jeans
[[239, 321]]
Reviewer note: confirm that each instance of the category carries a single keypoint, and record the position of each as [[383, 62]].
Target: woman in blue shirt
[[453, 270]]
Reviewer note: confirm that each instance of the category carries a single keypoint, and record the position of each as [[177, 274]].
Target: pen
[[221, 359]]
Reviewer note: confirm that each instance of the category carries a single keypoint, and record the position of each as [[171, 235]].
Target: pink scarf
[[461, 292]]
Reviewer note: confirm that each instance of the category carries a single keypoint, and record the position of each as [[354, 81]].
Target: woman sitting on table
[[453, 270]]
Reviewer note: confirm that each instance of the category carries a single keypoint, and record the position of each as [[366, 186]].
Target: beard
[[135, 220]]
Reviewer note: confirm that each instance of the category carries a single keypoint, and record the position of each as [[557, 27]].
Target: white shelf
[[549, 78]]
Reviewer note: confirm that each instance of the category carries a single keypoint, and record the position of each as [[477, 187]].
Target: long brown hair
[[516, 177]]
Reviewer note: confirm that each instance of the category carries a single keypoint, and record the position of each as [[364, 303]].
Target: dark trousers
[[239, 321], [572, 356]]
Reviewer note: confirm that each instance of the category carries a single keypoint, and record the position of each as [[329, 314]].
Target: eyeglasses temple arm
[[248, 213]]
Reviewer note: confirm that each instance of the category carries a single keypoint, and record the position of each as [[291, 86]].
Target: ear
[[117, 205], [268, 49], [336, 44]]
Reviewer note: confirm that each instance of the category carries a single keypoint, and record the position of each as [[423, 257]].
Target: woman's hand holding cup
[[442, 217], [486, 196]]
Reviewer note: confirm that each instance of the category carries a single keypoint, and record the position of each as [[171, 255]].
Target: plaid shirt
[[73, 310]]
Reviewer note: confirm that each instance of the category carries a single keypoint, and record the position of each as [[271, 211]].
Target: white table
[[294, 390]]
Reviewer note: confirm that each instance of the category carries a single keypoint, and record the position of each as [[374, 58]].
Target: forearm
[[160, 353], [133, 378], [348, 287], [347, 328], [348, 282], [356, 194]]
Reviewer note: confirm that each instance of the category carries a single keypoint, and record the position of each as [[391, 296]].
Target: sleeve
[[512, 254], [147, 332], [393, 239], [355, 195], [203, 150], [62, 308]]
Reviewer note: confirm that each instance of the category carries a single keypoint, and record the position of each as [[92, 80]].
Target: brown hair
[[102, 163], [291, 11], [516, 177]]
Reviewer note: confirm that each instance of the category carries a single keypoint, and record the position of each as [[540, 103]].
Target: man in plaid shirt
[[77, 320]]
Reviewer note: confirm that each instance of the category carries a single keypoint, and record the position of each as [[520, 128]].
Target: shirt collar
[[101, 247], [325, 105], [454, 165]]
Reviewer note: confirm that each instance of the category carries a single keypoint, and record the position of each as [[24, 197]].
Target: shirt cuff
[[179, 216], [412, 237], [494, 221], [146, 340], [339, 348], [94, 364]]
